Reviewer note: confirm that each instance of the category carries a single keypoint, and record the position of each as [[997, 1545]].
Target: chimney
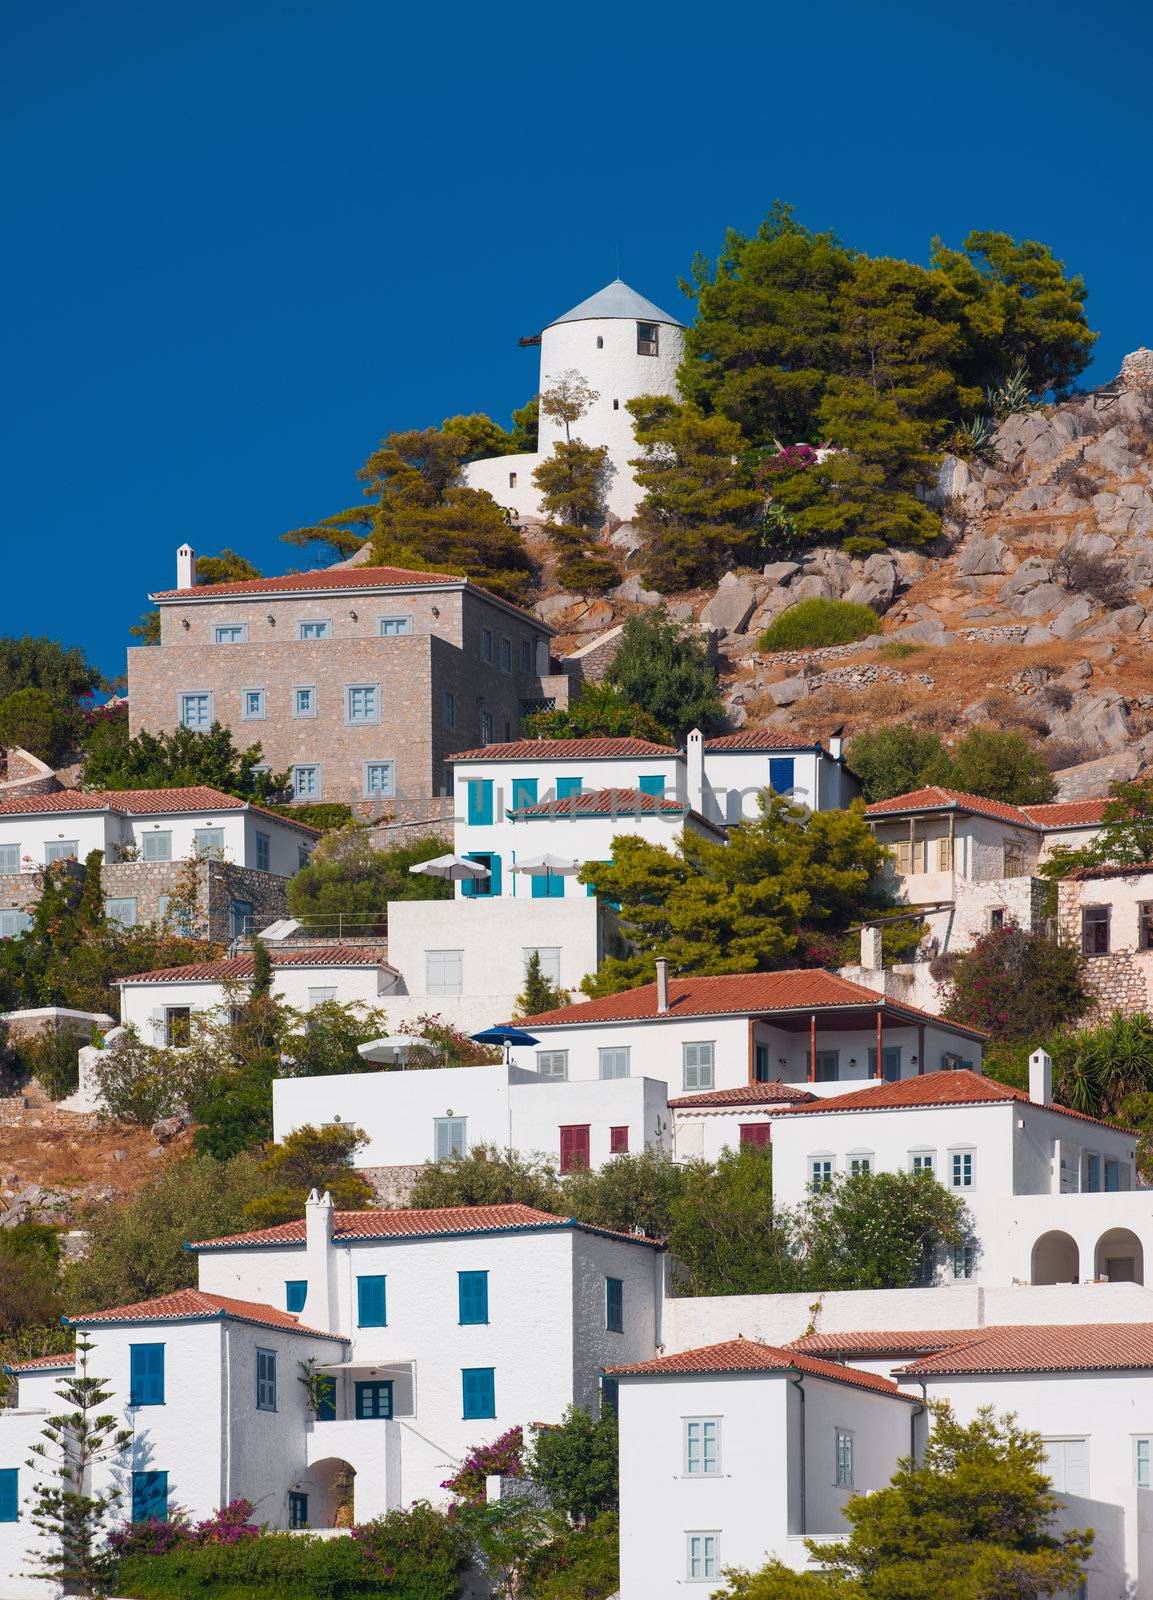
[[1041, 1078], [186, 567], [319, 1261], [871, 958], [662, 986], [695, 771], [837, 743]]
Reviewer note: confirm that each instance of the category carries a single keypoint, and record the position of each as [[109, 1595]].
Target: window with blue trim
[[295, 1294], [196, 710], [478, 1392], [371, 1310], [9, 1494], [781, 774], [652, 785], [374, 1401], [297, 1509], [568, 786], [480, 802], [472, 1288], [524, 793], [483, 886], [615, 1305], [146, 1375], [150, 1497], [265, 1380]]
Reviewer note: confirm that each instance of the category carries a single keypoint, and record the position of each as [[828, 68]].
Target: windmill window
[[648, 339]]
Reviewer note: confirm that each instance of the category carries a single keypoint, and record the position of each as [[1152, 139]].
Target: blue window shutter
[[146, 1375], [494, 869], [370, 1302], [482, 888], [652, 785], [567, 786], [9, 1494], [781, 774], [295, 1294], [547, 886], [480, 802], [479, 1392], [150, 1496], [473, 1288], [524, 792]]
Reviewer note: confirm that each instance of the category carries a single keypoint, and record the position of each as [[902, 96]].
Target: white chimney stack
[[1041, 1078], [319, 1261], [837, 743], [871, 958], [186, 567], [695, 770], [662, 985]]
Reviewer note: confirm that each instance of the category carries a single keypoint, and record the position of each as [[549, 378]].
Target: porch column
[[879, 1071], [920, 1049], [912, 844], [813, 1048], [952, 841]]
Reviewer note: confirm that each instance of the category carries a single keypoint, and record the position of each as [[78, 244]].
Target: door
[[374, 1401]]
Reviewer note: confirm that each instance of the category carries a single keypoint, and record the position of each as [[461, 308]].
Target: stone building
[[1107, 912], [358, 680]]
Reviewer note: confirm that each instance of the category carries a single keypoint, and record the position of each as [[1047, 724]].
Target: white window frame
[[614, 1050], [1091, 1159], [442, 959], [699, 1076], [1143, 1468], [160, 836], [703, 1469], [448, 1124], [371, 690], [842, 1457], [246, 712], [61, 850], [927, 1159], [314, 622], [196, 694], [167, 1015], [216, 845], [230, 627], [13, 922], [1066, 1439], [394, 627], [307, 766], [321, 997], [549, 955], [553, 1057], [710, 1563], [967, 1254], [388, 791], [859, 1163], [959, 1152], [297, 690], [9, 858], [121, 900], [824, 1160]]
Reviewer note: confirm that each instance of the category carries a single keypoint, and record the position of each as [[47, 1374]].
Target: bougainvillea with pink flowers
[[504, 1455]]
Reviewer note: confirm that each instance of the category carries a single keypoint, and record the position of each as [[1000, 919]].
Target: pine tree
[[538, 994]]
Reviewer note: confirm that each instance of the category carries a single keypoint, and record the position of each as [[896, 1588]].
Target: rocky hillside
[[1035, 609]]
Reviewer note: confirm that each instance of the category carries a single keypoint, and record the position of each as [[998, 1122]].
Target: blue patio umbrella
[[507, 1036]]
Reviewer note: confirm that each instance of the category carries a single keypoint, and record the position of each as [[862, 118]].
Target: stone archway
[[331, 1488], [1120, 1257], [1056, 1259]]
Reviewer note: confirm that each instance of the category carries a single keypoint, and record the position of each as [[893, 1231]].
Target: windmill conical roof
[[616, 299]]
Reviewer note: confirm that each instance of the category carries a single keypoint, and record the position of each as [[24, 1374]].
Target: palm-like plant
[[1098, 1068]]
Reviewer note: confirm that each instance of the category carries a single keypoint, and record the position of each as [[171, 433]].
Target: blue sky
[[247, 239]]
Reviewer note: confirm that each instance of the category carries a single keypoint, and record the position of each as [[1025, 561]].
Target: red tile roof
[[747, 1355], [934, 798], [232, 969], [140, 803], [739, 994], [429, 1224], [565, 750], [1067, 813], [868, 1342], [194, 1305], [949, 1088], [760, 739], [1110, 869], [606, 803], [747, 1094], [63, 1362], [1065, 1347]]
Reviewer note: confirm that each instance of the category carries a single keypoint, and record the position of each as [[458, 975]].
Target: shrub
[[575, 1462], [504, 1455], [1104, 580], [664, 669], [895, 760], [139, 1084], [1020, 986], [43, 726], [347, 884], [812, 624], [578, 1564], [52, 1058], [1001, 764]]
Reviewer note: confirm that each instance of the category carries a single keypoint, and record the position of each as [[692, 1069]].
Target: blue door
[[374, 1401]]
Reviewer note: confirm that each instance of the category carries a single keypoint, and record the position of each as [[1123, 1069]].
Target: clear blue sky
[[246, 239]]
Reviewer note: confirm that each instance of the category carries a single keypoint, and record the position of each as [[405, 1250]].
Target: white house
[[624, 347]]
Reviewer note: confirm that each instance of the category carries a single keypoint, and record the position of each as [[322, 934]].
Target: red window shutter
[[755, 1132], [574, 1148], [618, 1141]]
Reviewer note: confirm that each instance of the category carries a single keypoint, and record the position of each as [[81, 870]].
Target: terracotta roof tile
[[747, 1094], [63, 1362], [1067, 813], [1110, 869], [194, 1305], [233, 969], [934, 798], [742, 993], [141, 803], [869, 1342], [747, 1355], [760, 739], [607, 803], [565, 750], [1078, 1347], [949, 1088]]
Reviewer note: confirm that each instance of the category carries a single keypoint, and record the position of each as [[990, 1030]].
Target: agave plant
[[1012, 394], [973, 440]]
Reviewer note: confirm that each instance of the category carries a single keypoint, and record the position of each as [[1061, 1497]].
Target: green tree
[[227, 567], [1020, 986], [348, 884], [181, 759], [1001, 764], [600, 711], [566, 402], [664, 669], [41, 663], [1126, 836], [896, 760], [29, 1274], [36, 721], [483, 437], [724, 1232], [699, 515], [583, 566], [878, 1230], [539, 993], [572, 483], [488, 1176], [581, 1563], [312, 1158], [575, 1462], [630, 1193]]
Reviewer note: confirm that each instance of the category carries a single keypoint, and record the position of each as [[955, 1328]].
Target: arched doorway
[[331, 1489], [1056, 1259], [1120, 1257]]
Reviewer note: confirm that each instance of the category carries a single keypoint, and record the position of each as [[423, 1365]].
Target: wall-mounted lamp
[[852, 1061], [782, 1062], [352, 614], [184, 623], [436, 611], [271, 620], [913, 1059]]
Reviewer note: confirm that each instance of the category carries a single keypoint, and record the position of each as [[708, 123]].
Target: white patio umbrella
[[390, 1047], [457, 868], [547, 866]]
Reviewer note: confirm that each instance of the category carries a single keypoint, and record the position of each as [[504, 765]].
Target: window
[[196, 710], [448, 709], [754, 1133], [654, 783], [827, 1066], [146, 1375], [820, 1171], [231, 633], [890, 1062], [395, 627], [156, 846], [444, 972], [512, 480], [616, 405], [1095, 930], [177, 1026], [252, 705], [9, 858], [306, 783], [568, 786], [297, 1509], [547, 886], [1112, 1177], [1013, 859], [478, 1386], [362, 703], [150, 1497], [961, 1169], [702, 1446], [781, 774], [996, 918], [552, 1063], [295, 1294], [614, 1061], [374, 1401], [1142, 1476], [486, 645], [240, 918], [843, 1447], [370, 1302], [486, 733], [761, 1064], [379, 779], [61, 850], [304, 701], [1067, 1464], [506, 655], [264, 852], [121, 910], [619, 1141], [302, 854], [1145, 925], [314, 630], [265, 1380], [697, 1065], [648, 339], [320, 997], [701, 1552], [964, 1255], [472, 1292], [922, 1161], [600, 341], [549, 957], [526, 655], [1092, 1180], [208, 841], [860, 1164], [14, 923], [472, 887], [449, 1139], [574, 1148], [614, 1305], [944, 855], [9, 1494], [479, 802]]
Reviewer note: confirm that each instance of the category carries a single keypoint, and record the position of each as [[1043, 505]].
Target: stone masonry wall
[[218, 884], [1120, 980]]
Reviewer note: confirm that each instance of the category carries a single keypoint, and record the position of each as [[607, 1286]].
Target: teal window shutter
[[494, 880], [547, 886], [370, 1302], [483, 887], [295, 1294], [473, 1293], [781, 774], [524, 792], [480, 802], [150, 1497], [9, 1494], [652, 785], [479, 1392], [146, 1375], [567, 786]]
